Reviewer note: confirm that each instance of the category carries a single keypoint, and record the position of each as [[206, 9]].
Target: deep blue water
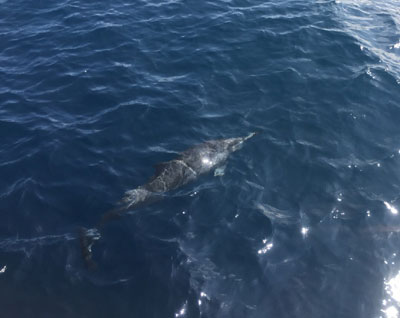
[[304, 222]]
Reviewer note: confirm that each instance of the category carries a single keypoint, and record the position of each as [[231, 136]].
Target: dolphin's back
[[170, 175], [188, 166]]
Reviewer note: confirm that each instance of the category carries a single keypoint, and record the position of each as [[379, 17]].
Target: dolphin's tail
[[87, 237]]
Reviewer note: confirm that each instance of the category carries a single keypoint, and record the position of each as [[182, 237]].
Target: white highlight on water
[[266, 248], [391, 208]]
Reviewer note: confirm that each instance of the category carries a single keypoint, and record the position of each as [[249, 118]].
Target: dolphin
[[170, 175]]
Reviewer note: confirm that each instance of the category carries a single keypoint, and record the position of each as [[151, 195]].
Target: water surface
[[304, 222]]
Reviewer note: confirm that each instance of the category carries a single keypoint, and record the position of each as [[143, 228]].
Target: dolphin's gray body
[[169, 175], [191, 164]]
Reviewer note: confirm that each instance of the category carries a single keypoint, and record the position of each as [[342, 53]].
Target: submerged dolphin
[[169, 175]]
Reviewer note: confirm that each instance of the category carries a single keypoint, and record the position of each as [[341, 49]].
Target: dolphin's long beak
[[251, 135], [237, 143]]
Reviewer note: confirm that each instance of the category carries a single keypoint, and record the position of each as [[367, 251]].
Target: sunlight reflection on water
[[391, 304]]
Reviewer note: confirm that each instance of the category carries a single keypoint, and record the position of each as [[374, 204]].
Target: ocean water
[[303, 223]]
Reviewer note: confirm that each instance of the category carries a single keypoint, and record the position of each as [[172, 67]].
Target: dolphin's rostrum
[[169, 175]]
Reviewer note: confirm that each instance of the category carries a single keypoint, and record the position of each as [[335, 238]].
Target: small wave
[[276, 215], [374, 25], [25, 244]]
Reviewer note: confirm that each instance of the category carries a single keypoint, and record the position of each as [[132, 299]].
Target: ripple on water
[[303, 219]]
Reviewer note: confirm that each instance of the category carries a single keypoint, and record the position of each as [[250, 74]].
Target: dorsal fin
[[160, 166]]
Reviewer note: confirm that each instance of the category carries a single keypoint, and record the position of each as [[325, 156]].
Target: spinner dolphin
[[187, 167]]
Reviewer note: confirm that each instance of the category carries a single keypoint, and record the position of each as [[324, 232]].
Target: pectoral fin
[[220, 171]]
